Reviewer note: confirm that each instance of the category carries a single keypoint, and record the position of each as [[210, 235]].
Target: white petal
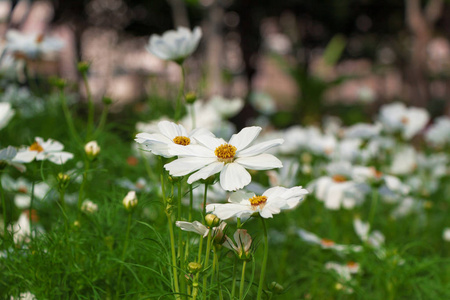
[[260, 162], [308, 236], [205, 172], [185, 165], [244, 137], [170, 129], [191, 150], [59, 158], [25, 156], [228, 210], [195, 226], [210, 142], [234, 177], [259, 148]]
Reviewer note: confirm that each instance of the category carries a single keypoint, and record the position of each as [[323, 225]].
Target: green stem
[[5, 222], [174, 256], [180, 240], [373, 206], [83, 183], [233, 287], [124, 252], [102, 122], [264, 262], [193, 116], [205, 265], [31, 208], [68, 118], [90, 124], [218, 273], [180, 95], [204, 203], [195, 287], [241, 286]]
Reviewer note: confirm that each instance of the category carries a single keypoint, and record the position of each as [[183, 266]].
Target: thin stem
[[124, 252], [241, 286], [180, 95], [68, 117], [373, 206], [195, 287], [216, 256], [5, 222], [204, 203], [205, 265], [180, 239], [193, 116], [102, 122], [264, 262], [83, 183], [233, 287], [174, 256], [90, 124]]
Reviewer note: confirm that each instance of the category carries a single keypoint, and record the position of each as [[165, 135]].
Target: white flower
[[396, 117], [92, 149], [44, 150], [6, 113], [141, 185], [446, 234], [169, 134], [363, 131], [286, 176], [214, 155], [343, 270], [311, 238], [8, 157], [89, 207], [31, 45], [243, 244], [199, 228], [175, 45], [22, 189], [404, 161], [271, 202], [438, 134], [130, 201], [342, 186]]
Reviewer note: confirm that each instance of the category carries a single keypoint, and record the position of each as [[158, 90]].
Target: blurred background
[[294, 60]]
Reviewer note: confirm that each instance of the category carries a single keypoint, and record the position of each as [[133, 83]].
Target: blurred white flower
[[22, 189], [263, 103], [311, 238], [213, 155], [272, 201], [404, 161], [438, 135], [31, 45], [342, 187], [89, 207], [286, 176], [169, 134], [130, 200], [44, 150], [446, 234], [363, 131], [343, 270], [8, 156], [175, 45], [6, 114], [141, 184], [397, 118]]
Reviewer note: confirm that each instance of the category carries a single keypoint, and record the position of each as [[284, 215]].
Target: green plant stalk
[[180, 241], [172, 238], [241, 286], [90, 123], [264, 262], [373, 207], [195, 287], [68, 118], [213, 266], [205, 265], [193, 116], [204, 203], [180, 95], [233, 287], [102, 122], [83, 184], [31, 208], [191, 201], [62, 193], [200, 247], [218, 273], [5, 223], [124, 252]]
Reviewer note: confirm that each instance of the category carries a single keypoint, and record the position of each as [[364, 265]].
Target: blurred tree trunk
[[179, 13], [421, 23], [214, 48]]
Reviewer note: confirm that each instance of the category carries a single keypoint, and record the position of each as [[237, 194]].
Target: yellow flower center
[[258, 201], [39, 38], [182, 140], [225, 153], [404, 120], [22, 190], [327, 243], [339, 178], [36, 147]]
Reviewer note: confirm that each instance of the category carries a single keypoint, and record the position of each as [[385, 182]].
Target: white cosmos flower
[[404, 161], [397, 118], [6, 113], [199, 228], [31, 45], [169, 134], [446, 234], [44, 150], [22, 189], [8, 157], [363, 131], [343, 270], [438, 134], [311, 238], [242, 246], [272, 201], [215, 155], [175, 45]]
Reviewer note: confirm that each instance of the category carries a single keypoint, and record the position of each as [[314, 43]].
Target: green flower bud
[[212, 220], [83, 66], [276, 287], [191, 97], [194, 267]]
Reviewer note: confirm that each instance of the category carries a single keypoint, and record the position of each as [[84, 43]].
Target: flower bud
[[130, 201], [63, 180], [83, 66], [92, 149], [191, 97], [57, 82], [276, 287], [212, 220], [107, 101], [194, 267], [89, 207]]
